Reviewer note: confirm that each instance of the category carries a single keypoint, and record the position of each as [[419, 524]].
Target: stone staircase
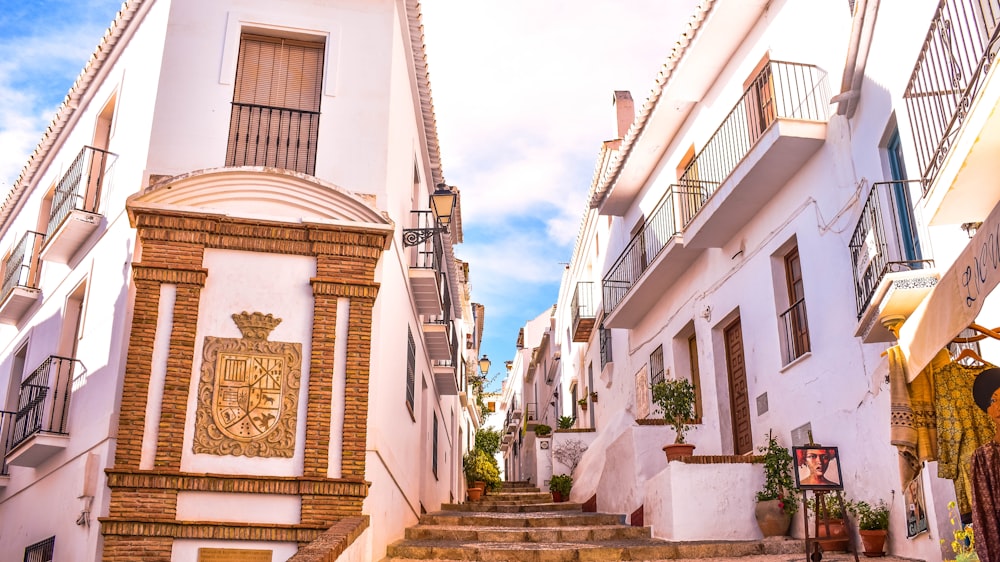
[[520, 523]]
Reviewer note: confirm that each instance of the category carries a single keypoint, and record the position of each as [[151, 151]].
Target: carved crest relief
[[248, 392]]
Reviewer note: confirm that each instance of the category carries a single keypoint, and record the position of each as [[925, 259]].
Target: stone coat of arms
[[248, 392]]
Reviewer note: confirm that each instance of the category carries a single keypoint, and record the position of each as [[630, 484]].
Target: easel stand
[[814, 552]]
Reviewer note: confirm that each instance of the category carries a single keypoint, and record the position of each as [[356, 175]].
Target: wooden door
[[739, 397]]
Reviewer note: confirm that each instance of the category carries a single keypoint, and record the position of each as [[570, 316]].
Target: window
[[604, 335], [411, 368], [692, 349], [434, 447], [909, 239], [276, 101], [40, 551], [793, 320], [656, 366]]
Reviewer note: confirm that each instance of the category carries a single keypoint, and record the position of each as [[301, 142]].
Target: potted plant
[[566, 422], [830, 530], [542, 430], [675, 397], [777, 500], [582, 403], [873, 525], [560, 485], [480, 468]]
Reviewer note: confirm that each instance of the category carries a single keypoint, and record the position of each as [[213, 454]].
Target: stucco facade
[[214, 336]]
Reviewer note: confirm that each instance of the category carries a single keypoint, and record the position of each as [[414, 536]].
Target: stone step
[[518, 496], [511, 507], [579, 551], [519, 520], [588, 533]]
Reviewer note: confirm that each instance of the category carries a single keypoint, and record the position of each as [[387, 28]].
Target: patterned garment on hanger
[[986, 511], [961, 427]]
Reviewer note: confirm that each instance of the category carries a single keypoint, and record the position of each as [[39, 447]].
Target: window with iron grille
[[411, 368], [604, 335], [275, 113], [434, 445], [656, 366], [40, 551], [793, 320]]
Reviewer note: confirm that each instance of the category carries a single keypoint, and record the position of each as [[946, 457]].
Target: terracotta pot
[[557, 497], [676, 451], [475, 494], [874, 542], [481, 485], [772, 518], [836, 538]]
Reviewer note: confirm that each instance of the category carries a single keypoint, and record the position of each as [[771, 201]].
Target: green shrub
[[675, 397], [542, 430], [871, 517], [778, 481], [480, 466], [488, 441], [566, 422], [561, 483]]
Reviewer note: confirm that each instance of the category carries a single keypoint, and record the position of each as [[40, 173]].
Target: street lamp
[[442, 204], [484, 364]]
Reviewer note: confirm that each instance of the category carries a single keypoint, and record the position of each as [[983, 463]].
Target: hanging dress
[[986, 505]]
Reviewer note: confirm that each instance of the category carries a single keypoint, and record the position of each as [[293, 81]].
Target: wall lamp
[[484, 364], [442, 204]]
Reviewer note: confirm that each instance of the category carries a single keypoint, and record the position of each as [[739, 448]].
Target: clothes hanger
[[969, 353]]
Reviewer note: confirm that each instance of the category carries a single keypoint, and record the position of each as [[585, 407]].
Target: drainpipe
[[857, 57]]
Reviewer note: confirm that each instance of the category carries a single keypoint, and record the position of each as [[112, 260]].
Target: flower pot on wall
[[676, 451], [772, 518], [874, 542]]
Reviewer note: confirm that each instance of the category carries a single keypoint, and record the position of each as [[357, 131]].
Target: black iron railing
[[6, 433], [948, 75], [782, 90], [427, 251], [604, 335], [671, 214], [886, 238], [42, 551], [20, 269], [583, 302], [43, 403], [80, 188], [795, 331], [275, 137]]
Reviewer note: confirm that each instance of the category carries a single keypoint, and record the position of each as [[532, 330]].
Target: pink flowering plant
[[778, 481]]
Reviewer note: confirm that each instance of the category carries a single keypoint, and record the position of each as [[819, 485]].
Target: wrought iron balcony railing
[[21, 267], [424, 241], [6, 433], [80, 188], [886, 238], [795, 331], [43, 403], [678, 205], [275, 137], [782, 90], [949, 73], [583, 301]]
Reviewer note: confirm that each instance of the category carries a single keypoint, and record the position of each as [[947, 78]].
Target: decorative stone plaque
[[248, 393], [233, 555]]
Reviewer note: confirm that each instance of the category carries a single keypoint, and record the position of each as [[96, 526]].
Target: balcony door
[[275, 115], [909, 239], [739, 396]]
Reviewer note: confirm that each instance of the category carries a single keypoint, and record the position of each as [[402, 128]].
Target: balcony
[[6, 429], [892, 267], [426, 256], [74, 216], [653, 258], [952, 101], [583, 312], [439, 333], [40, 423], [446, 372], [20, 278], [274, 137], [774, 129], [795, 332]]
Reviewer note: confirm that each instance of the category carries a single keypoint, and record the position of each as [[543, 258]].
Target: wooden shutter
[[276, 103]]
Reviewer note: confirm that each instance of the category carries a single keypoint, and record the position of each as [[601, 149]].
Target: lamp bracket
[[417, 236]]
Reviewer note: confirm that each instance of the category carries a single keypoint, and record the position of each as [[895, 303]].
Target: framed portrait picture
[[916, 511], [817, 468]]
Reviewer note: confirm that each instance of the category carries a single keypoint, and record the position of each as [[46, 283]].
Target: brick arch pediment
[[256, 192]]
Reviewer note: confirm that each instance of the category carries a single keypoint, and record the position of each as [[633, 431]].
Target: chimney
[[624, 112]]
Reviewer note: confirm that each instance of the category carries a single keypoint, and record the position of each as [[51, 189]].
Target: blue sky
[[522, 92]]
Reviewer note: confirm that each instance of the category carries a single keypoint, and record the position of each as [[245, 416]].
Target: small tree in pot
[[777, 500], [675, 397]]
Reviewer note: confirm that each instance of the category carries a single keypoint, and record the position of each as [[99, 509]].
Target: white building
[[795, 185], [231, 324]]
